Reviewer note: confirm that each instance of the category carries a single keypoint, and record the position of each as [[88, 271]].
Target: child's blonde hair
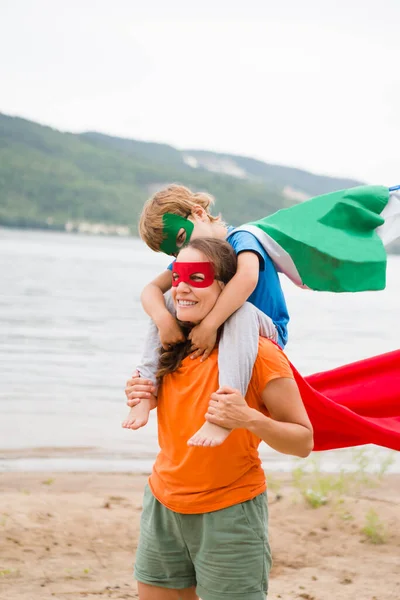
[[175, 199]]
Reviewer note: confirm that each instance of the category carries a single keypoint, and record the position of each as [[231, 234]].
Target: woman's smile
[[184, 303]]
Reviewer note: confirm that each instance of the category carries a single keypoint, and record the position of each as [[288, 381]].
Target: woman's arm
[[137, 388], [287, 430]]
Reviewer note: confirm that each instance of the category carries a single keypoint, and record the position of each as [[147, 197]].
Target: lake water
[[71, 332]]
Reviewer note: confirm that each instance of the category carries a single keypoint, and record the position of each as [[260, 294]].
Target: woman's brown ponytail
[[171, 359]]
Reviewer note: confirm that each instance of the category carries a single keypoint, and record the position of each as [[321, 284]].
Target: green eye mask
[[171, 226]]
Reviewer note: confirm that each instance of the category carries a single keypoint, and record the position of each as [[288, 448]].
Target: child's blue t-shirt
[[268, 295]]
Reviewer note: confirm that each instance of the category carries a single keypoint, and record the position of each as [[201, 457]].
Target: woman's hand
[[138, 388], [203, 340], [229, 409]]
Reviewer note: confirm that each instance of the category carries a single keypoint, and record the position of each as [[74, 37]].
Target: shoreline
[[73, 535], [110, 230], [94, 459]]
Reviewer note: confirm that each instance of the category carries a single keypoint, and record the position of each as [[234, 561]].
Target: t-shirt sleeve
[[243, 241], [271, 363]]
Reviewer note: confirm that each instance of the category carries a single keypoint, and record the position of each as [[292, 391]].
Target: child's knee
[[245, 316]]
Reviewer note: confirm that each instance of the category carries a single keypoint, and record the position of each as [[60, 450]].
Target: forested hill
[[49, 178]]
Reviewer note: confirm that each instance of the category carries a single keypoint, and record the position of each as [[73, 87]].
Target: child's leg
[[238, 349], [139, 414], [238, 346], [149, 361]]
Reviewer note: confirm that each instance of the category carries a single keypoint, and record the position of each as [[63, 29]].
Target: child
[[334, 242], [168, 220]]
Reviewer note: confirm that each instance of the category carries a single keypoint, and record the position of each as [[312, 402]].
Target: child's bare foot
[[209, 435], [138, 415]]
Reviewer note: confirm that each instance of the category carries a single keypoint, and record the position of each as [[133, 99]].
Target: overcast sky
[[307, 83]]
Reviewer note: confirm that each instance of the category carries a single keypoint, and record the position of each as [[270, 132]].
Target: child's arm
[[147, 368], [233, 296], [154, 304]]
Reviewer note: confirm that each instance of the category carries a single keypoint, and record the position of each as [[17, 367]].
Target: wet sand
[[73, 535]]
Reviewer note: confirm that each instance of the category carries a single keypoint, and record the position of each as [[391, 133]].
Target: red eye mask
[[195, 274]]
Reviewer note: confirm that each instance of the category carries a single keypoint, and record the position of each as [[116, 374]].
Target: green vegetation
[[48, 178], [374, 530], [318, 487], [341, 491], [9, 572]]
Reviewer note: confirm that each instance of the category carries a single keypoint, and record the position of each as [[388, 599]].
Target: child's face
[[193, 303], [201, 229], [180, 230]]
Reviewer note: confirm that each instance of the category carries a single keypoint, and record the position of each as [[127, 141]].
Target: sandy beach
[[73, 535]]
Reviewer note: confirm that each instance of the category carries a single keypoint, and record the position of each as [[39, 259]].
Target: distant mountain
[[300, 181], [49, 178], [303, 183]]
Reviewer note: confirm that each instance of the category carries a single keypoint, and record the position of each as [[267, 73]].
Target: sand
[[73, 535]]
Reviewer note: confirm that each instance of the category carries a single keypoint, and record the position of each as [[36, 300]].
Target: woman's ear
[[221, 284]]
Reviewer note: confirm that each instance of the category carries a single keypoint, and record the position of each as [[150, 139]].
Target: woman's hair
[[175, 199], [224, 260]]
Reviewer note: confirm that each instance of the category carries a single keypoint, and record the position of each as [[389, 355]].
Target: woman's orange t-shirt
[[197, 480]]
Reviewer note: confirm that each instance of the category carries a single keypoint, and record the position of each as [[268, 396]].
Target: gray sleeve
[[238, 346], [149, 362]]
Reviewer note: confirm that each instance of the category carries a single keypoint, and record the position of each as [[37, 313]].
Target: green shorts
[[224, 553]]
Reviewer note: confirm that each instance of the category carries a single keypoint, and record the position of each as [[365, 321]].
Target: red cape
[[355, 404]]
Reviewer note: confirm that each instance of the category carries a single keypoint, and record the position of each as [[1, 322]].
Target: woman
[[204, 521]]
